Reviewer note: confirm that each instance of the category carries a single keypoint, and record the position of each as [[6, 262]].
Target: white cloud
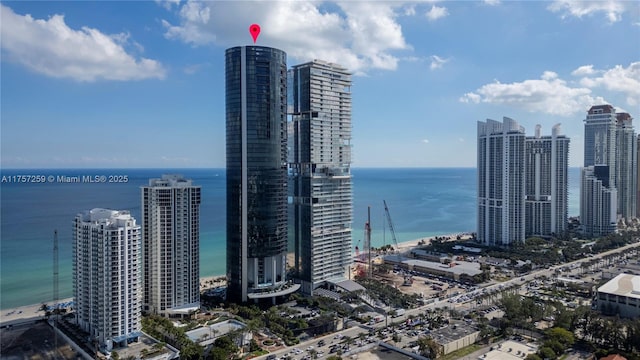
[[583, 70], [168, 4], [617, 79], [426, 141], [410, 10], [437, 62], [549, 75], [52, 48], [436, 13], [460, 139], [492, 2], [612, 8], [471, 98], [549, 95], [359, 35]]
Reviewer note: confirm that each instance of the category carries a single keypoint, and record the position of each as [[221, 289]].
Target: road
[[355, 331]]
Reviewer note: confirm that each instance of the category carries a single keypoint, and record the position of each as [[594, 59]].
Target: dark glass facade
[[256, 146]]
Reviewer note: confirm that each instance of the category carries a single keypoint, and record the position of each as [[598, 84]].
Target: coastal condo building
[[256, 150], [626, 166], [107, 284], [597, 201], [547, 164], [320, 175], [609, 178], [171, 246], [637, 175], [501, 182]]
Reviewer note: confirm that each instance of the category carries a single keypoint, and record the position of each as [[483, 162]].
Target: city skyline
[[424, 75]]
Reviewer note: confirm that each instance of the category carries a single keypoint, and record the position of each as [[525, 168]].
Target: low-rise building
[[621, 296], [510, 350], [455, 336], [456, 270], [207, 335]]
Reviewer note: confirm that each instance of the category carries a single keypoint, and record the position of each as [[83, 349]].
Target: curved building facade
[[256, 145]]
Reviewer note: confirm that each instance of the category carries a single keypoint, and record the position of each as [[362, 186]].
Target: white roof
[[624, 285]]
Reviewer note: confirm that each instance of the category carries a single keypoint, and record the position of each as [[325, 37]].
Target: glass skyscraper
[[598, 193], [256, 146]]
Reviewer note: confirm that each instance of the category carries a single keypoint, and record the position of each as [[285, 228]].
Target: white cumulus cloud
[[358, 35], [549, 95], [583, 70], [437, 62], [52, 48], [613, 9], [437, 12], [621, 79], [426, 141]]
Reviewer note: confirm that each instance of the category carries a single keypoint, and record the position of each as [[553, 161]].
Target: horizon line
[[224, 168]]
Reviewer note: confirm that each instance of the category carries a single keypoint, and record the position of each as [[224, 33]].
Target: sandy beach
[[406, 245], [209, 282], [26, 313], [33, 312]]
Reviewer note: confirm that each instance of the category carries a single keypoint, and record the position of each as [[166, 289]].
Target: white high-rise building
[[626, 166], [107, 284], [320, 175], [547, 162], [171, 246], [598, 201], [501, 182]]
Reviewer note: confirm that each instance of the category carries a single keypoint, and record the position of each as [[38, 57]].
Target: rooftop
[[600, 109], [509, 350], [624, 285], [454, 332], [214, 331]]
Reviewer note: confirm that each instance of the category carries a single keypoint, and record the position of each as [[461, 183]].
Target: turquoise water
[[422, 202]]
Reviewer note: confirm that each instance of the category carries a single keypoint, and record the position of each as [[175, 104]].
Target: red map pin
[[254, 29]]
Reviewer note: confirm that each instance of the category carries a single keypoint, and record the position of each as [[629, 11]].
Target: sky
[[139, 84]]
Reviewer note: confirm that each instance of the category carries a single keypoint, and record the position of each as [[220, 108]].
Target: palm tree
[[429, 347]]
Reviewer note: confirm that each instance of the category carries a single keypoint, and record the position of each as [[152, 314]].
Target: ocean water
[[422, 202]]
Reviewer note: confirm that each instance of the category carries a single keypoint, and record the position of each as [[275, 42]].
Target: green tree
[[563, 336], [533, 357], [554, 345], [547, 353]]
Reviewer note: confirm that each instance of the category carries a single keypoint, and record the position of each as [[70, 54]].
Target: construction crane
[[393, 232], [56, 294], [367, 240]]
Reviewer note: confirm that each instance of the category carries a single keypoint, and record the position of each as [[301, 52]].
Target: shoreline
[[32, 312]]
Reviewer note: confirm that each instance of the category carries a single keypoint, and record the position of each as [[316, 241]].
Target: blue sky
[[139, 83]]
